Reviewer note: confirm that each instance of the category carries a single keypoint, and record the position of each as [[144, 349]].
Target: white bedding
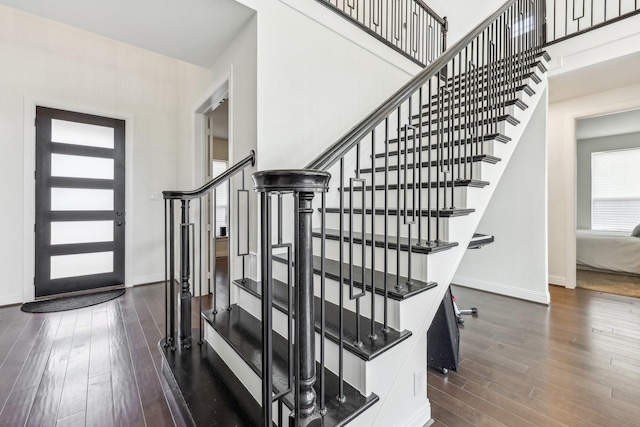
[[608, 250]]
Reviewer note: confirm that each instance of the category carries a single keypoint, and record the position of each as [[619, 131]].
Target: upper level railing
[[408, 26], [569, 18], [190, 259]]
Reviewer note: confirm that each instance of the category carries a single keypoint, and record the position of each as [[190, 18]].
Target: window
[[615, 190], [222, 198]]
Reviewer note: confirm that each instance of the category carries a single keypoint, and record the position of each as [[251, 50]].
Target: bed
[[608, 250]]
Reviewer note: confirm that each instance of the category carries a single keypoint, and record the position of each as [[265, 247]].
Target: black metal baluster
[[166, 277], [341, 397], [420, 166], [429, 181], [323, 299], [439, 143], [372, 333], [200, 273], [267, 320], [214, 263], [398, 194], [386, 223], [172, 276]]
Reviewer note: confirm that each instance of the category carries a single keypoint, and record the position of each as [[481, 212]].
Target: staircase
[[359, 248]]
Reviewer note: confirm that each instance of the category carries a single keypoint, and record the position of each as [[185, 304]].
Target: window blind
[[221, 203], [615, 190]]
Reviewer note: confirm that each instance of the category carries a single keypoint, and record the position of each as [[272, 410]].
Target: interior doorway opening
[[218, 202]]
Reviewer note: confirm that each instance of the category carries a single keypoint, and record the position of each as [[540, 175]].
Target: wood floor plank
[[16, 410], [46, 403], [75, 420], [100, 401], [74, 391]]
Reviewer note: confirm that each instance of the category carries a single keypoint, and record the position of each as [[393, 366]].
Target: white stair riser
[[437, 197], [354, 367], [463, 150], [332, 293], [333, 222], [251, 380], [464, 171]]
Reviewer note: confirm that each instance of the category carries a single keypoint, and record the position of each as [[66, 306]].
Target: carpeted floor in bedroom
[[619, 284]]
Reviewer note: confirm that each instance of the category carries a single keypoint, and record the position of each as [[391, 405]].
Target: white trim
[[29, 211], [571, 220], [146, 280], [418, 418], [15, 299], [501, 289], [557, 280]]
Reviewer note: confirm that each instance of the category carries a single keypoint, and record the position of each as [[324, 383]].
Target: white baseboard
[[557, 280], [418, 418], [145, 280], [14, 299], [500, 289]]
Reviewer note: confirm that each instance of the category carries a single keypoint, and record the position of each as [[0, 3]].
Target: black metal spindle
[[166, 277], [420, 165], [429, 144], [341, 396], [323, 298], [172, 277], [372, 332], [267, 319], [386, 224], [400, 185], [214, 259], [200, 272]]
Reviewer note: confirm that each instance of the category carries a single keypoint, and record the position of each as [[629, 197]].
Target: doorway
[[80, 202], [219, 200], [608, 203]]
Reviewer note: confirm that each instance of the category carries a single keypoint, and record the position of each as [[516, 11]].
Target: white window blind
[[615, 190], [222, 197]]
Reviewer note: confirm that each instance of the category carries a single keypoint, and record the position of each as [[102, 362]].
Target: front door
[[80, 217]]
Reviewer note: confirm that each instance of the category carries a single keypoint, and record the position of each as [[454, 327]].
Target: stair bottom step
[[206, 390]]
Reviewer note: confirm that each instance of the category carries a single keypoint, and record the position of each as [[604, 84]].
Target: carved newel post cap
[[292, 180]]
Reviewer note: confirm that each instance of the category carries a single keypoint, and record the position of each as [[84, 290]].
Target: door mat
[[70, 303]]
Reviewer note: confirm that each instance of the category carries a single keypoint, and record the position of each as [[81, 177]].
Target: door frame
[[220, 89], [29, 183]]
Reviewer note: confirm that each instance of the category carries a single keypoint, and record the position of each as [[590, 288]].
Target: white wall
[[47, 63], [463, 15], [583, 168], [516, 263]]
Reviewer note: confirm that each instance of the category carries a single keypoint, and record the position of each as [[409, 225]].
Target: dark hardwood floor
[[576, 363]]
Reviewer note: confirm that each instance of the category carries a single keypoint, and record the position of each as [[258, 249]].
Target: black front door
[[80, 217]]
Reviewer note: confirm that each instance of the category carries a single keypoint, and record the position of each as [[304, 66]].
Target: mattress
[[608, 250]]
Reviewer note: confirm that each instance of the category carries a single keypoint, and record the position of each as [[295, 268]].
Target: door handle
[[119, 223]]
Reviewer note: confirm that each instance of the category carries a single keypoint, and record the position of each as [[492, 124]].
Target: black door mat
[[70, 303]]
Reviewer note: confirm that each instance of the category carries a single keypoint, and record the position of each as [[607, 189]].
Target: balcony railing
[[569, 18], [407, 26]]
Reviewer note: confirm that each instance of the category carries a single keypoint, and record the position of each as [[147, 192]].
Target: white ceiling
[[608, 75], [194, 31]]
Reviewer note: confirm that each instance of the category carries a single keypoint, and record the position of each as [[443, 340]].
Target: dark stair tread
[[478, 240], [457, 183], [332, 271], [192, 372], [488, 137], [517, 102], [441, 213], [370, 348], [392, 242], [243, 333], [526, 88], [485, 158], [435, 130]]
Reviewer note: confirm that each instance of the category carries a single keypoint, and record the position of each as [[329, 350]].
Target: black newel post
[[185, 292], [303, 184], [304, 302]]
